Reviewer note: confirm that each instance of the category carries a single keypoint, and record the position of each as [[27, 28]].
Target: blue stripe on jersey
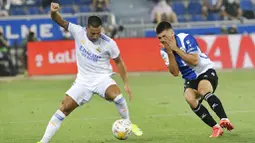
[[190, 44], [178, 41], [187, 72], [105, 38]]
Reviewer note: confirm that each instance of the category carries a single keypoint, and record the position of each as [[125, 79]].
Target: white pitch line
[[116, 117]]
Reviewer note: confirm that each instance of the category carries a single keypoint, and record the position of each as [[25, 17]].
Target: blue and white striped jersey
[[189, 45]]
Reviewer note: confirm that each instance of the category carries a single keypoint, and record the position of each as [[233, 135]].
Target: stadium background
[[43, 67]]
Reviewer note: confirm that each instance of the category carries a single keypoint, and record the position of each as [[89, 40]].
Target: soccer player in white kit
[[181, 53], [93, 53]]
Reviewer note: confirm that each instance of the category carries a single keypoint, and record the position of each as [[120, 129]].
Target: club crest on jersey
[[98, 49], [82, 42]]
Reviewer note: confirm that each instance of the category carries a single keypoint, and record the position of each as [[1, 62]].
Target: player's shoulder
[[106, 39], [185, 37], [182, 36], [75, 26]]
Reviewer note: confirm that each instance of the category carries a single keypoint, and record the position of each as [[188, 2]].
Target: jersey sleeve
[[191, 45], [114, 50], [74, 29], [164, 57]]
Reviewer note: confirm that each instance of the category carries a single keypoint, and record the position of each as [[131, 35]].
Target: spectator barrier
[[142, 54]]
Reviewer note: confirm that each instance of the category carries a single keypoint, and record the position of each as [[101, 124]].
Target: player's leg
[[109, 90], [206, 88], [113, 93], [66, 107], [75, 96], [200, 110]]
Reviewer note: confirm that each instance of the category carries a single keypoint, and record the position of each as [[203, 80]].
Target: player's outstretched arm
[[123, 73], [55, 16]]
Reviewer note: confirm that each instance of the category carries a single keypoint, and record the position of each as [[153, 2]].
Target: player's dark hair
[[94, 21], [164, 25]]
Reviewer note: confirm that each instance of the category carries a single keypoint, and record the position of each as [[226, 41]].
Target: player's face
[[93, 33], [166, 33]]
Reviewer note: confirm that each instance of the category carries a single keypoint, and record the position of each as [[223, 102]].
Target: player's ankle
[[217, 126], [226, 119]]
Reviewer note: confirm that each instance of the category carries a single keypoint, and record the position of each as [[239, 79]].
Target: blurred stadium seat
[[195, 8], [213, 17], [178, 7], [84, 9], [18, 11], [197, 17], [182, 18], [82, 2], [67, 9], [246, 5], [67, 2], [33, 10]]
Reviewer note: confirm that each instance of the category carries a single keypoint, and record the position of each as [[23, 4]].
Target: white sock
[[53, 126], [217, 125], [225, 119], [121, 105]]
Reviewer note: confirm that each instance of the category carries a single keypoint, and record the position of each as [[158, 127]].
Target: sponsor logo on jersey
[[88, 54]]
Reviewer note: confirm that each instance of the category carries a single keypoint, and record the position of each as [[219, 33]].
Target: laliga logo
[[63, 57], [38, 60]]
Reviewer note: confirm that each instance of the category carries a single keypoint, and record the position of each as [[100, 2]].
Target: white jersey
[[189, 45], [93, 58]]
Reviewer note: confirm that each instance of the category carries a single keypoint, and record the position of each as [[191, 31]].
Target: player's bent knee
[[112, 92], [191, 100], [68, 105], [203, 91], [204, 87]]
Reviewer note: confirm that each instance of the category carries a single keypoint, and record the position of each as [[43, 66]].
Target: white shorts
[[82, 93]]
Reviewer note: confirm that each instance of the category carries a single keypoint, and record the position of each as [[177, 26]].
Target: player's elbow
[[173, 70], [194, 62], [175, 73]]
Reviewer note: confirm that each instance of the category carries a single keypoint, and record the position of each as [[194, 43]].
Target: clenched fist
[[54, 7]]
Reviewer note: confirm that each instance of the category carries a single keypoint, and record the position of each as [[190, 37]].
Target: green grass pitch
[[158, 107]]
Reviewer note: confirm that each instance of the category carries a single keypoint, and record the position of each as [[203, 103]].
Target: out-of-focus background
[[37, 65], [24, 21]]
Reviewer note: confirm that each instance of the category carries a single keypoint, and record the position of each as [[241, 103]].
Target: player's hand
[[166, 45], [170, 40], [127, 89], [54, 7]]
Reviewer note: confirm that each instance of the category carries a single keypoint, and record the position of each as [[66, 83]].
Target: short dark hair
[[164, 25], [94, 21]]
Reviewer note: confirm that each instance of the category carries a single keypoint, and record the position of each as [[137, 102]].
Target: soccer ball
[[122, 129]]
